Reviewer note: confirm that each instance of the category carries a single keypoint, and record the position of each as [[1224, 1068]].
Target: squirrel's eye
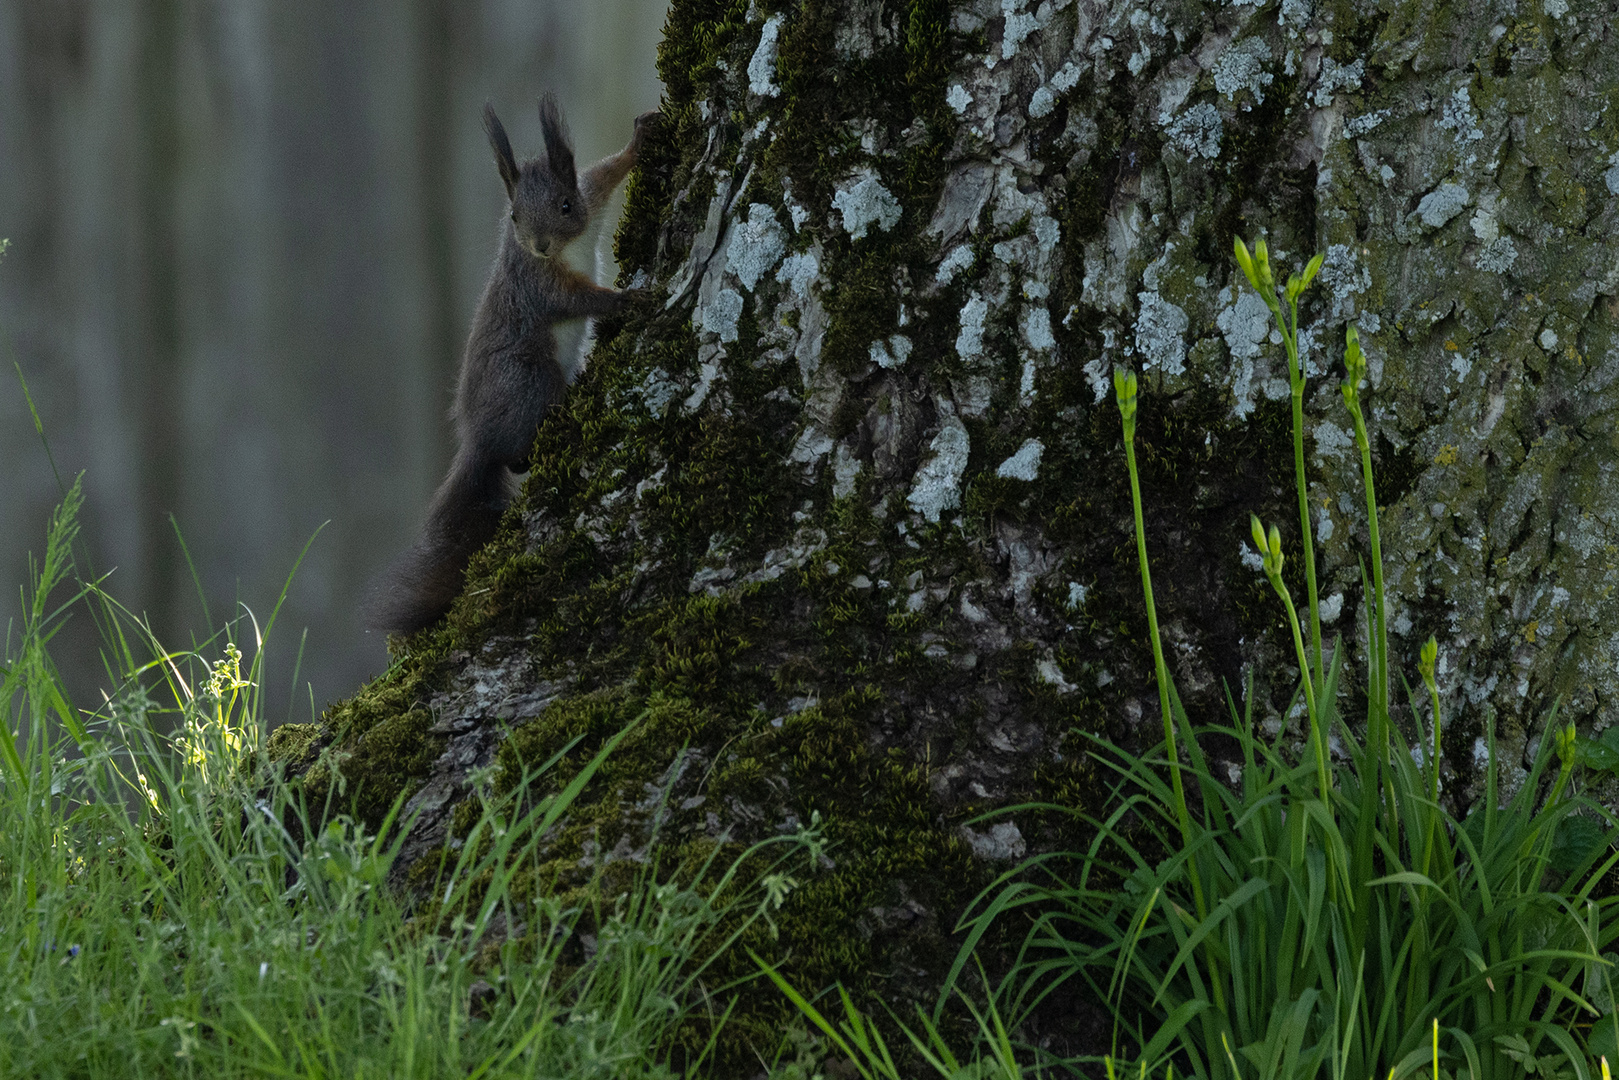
[[513, 216], [567, 206]]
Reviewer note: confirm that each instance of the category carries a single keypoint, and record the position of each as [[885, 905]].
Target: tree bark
[[843, 515]]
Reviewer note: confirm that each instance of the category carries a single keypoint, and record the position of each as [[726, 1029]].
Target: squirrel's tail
[[422, 583]]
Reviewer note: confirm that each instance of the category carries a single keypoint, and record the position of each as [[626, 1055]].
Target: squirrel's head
[[546, 209]]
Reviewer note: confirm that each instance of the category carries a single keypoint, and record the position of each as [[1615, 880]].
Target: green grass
[[866, 1052], [169, 908]]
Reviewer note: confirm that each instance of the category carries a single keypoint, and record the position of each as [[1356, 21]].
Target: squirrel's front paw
[[645, 123]]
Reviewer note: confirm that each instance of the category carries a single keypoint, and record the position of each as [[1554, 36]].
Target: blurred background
[[247, 237]]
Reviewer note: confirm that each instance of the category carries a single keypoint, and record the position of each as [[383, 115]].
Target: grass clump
[[866, 1053], [173, 908], [1317, 910]]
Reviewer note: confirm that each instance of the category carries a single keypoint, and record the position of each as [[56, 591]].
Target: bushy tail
[[420, 586]]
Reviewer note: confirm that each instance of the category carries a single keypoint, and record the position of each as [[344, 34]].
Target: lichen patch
[[937, 484], [863, 201], [1023, 465]]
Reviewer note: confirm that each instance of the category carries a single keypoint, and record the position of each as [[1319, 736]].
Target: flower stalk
[[1377, 643], [1124, 388], [1426, 663], [1270, 550], [1256, 267]]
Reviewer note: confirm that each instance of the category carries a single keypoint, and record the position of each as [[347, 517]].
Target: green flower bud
[[1269, 545], [1310, 271], [1354, 368], [1425, 663], [1259, 535], [1267, 283], [1124, 390], [1565, 746], [1245, 260], [1354, 359]]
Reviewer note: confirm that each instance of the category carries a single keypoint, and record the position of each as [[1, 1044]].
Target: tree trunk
[[844, 513]]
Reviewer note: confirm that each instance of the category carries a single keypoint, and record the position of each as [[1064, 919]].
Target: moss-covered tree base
[[841, 515]]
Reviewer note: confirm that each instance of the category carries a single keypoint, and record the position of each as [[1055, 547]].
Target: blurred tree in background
[[247, 240]]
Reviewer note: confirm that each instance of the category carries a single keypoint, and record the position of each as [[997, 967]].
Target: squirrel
[[510, 376]]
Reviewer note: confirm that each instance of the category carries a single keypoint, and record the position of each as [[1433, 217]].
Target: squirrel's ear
[[502, 147], [558, 147]]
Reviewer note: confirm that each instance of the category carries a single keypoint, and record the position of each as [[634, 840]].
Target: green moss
[[592, 718], [695, 38], [293, 746], [466, 813], [376, 768], [372, 749], [862, 307]]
